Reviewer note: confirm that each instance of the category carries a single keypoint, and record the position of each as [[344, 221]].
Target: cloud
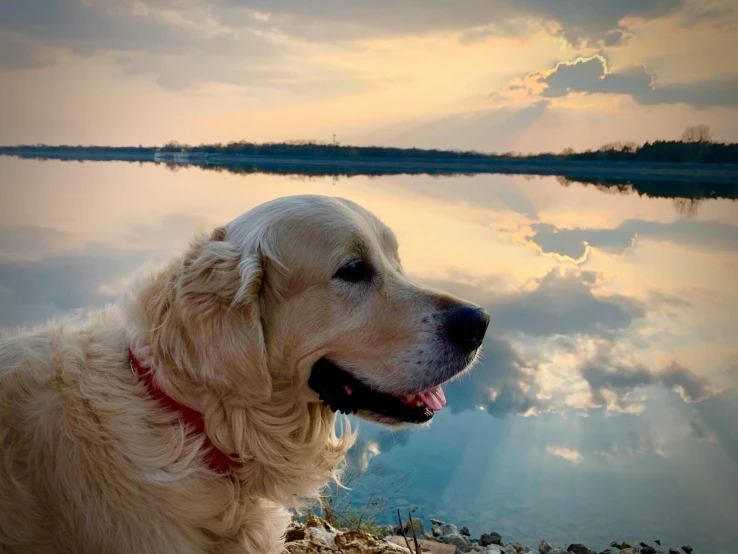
[[572, 456], [594, 76], [325, 20], [563, 303], [559, 303], [19, 52], [242, 27], [500, 384], [574, 243], [714, 420], [557, 306], [612, 379], [180, 47], [617, 37], [690, 386]]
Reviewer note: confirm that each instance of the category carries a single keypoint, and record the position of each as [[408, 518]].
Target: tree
[[697, 133]]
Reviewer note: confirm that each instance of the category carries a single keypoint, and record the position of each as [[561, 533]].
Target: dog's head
[[310, 291]]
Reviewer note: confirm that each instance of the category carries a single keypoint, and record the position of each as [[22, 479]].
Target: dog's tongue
[[433, 398]]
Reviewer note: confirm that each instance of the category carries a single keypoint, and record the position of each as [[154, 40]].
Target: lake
[[605, 406]]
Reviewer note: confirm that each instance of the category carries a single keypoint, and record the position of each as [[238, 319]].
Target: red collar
[[216, 460]]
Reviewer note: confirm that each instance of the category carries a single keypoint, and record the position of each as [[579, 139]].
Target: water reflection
[[686, 194], [605, 403]]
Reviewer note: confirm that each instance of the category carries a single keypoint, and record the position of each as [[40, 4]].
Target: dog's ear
[[218, 301]]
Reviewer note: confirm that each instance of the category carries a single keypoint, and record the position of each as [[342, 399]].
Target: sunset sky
[[492, 75]]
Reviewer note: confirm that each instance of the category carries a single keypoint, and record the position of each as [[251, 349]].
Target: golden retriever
[[188, 417]]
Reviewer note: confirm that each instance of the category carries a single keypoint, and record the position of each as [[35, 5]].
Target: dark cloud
[[186, 27], [617, 37], [179, 54], [558, 304], [715, 14], [702, 235], [606, 372], [715, 91], [591, 76], [563, 304], [19, 52], [713, 420], [325, 20], [690, 386]]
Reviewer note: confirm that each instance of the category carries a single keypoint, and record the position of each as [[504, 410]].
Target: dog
[[191, 415]]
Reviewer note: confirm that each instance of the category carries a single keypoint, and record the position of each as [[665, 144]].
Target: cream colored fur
[[90, 464]]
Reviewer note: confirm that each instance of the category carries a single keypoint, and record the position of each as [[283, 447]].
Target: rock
[[436, 521], [545, 547], [465, 531], [517, 546], [558, 551], [687, 549], [578, 548], [674, 551], [316, 536], [657, 541], [455, 539], [469, 549], [509, 549], [449, 529], [493, 549], [436, 530], [648, 549], [490, 538]]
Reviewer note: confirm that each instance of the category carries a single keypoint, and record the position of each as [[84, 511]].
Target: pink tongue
[[433, 398]]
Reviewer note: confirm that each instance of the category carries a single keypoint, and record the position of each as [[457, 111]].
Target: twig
[[402, 530], [412, 530]]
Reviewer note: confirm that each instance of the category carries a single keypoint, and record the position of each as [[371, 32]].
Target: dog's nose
[[466, 326]]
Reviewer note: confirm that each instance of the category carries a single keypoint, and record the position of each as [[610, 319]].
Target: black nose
[[466, 326]]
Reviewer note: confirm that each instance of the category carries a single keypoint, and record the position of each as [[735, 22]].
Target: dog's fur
[[89, 463]]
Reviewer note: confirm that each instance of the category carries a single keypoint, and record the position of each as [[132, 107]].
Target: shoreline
[[658, 171], [312, 535]]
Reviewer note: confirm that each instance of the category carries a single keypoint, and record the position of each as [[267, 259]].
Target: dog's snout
[[466, 326]]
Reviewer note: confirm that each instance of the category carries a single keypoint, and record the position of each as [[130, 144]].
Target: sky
[[493, 75]]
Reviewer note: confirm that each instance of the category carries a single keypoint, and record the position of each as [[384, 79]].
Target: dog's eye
[[354, 272]]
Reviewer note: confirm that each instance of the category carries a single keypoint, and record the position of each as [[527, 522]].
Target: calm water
[[606, 406]]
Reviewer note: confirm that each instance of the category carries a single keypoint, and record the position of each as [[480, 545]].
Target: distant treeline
[[683, 151], [661, 151]]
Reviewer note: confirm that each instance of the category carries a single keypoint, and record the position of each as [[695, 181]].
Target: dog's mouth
[[341, 391]]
